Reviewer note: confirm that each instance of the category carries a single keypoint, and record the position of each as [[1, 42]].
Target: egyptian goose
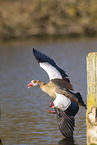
[[66, 103], [59, 82]]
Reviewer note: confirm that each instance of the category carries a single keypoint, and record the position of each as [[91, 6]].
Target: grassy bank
[[27, 18]]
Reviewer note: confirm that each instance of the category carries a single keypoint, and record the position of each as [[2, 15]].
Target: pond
[[24, 116]]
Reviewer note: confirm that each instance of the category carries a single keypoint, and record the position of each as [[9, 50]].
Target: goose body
[[66, 103]]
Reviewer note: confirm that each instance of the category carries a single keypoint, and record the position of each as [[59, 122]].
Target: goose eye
[[34, 82]]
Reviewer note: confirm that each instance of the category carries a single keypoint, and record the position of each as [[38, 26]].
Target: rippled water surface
[[24, 116]]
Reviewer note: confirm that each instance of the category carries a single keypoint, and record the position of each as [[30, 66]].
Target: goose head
[[35, 83]]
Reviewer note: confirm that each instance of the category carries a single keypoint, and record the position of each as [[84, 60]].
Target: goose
[[66, 103], [59, 81]]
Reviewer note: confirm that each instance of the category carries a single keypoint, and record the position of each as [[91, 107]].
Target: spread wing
[[50, 66], [65, 122]]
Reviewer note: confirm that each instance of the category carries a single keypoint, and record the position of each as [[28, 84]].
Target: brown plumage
[[59, 82], [57, 86], [66, 103]]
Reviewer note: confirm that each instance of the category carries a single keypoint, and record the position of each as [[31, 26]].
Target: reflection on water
[[1, 142], [24, 118], [68, 141]]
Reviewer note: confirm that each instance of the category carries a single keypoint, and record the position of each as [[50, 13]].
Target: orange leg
[[53, 112], [52, 106]]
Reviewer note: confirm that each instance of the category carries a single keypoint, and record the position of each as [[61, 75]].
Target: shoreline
[[21, 19]]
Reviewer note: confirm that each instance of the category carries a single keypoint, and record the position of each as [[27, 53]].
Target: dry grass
[[26, 18]]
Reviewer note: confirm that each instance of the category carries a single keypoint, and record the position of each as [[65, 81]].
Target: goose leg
[[53, 112], [52, 106]]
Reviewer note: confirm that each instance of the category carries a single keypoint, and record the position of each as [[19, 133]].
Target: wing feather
[[65, 122], [63, 83], [52, 72], [44, 59]]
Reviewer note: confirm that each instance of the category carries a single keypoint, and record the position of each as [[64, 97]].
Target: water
[[24, 116]]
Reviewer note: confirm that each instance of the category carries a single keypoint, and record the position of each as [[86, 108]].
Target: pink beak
[[30, 85]]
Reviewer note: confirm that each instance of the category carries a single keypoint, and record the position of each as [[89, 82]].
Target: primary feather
[[44, 59]]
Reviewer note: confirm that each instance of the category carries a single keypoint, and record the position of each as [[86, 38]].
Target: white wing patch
[[62, 102], [51, 70]]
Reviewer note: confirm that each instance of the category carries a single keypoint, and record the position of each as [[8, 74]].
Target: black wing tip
[[80, 99], [36, 53], [34, 50], [85, 106], [39, 56]]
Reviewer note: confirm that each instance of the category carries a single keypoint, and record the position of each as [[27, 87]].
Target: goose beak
[[30, 85]]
